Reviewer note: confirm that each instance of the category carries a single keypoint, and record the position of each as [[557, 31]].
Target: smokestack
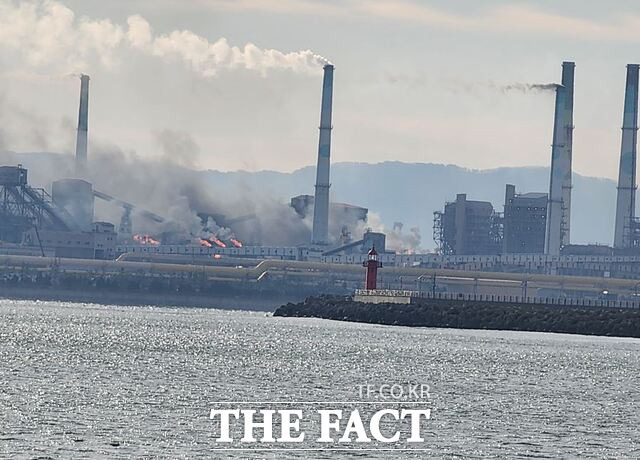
[[320, 234], [626, 203], [509, 194], [83, 125], [559, 166], [568, 70]]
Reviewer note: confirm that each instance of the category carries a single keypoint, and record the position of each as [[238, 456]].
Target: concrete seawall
[[222, 301]]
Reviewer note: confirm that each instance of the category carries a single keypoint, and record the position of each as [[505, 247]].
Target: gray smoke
[[275, 222], [179, 194], [457, 85], [165, 185], [21, 126], [178, 147], [529, 87], [212, 227], [172, 191]]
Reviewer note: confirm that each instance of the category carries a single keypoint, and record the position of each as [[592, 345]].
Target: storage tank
[[75, 196]]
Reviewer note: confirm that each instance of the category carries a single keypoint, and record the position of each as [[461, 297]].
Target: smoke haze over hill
[[393, 192]]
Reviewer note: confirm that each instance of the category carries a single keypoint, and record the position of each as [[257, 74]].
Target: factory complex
[[61, 223], [530, 236], [540, 222]]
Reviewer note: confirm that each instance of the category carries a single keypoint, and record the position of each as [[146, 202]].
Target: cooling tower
[[320, 233], [626, 202]]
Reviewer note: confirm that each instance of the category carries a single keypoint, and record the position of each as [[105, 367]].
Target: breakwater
[[468, 314]]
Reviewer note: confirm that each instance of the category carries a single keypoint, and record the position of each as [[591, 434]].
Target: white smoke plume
[[46, 33], [207, 58], [397, 240]]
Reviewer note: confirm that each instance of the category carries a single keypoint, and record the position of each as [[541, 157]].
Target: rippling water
[[87, 380]]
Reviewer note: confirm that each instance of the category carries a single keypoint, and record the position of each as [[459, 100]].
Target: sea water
[[80, 380]]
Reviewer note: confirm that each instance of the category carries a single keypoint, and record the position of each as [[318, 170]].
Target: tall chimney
[[626, 203], [559, 166], [83, 125], [568, 70], [320, 234], [509, 195]]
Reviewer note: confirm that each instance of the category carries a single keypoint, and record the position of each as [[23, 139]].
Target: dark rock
[[619, 322]]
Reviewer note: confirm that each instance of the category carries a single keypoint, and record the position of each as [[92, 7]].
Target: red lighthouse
[[372, 264]]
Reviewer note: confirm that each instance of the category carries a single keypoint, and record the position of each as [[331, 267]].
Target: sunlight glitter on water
[[88, 380]]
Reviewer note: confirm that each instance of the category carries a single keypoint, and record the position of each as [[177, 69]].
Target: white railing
[[559, 301]]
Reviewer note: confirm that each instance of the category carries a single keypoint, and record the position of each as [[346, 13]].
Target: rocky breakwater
[[605, 321]]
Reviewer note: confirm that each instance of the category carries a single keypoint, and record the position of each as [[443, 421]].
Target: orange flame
[[205, 243], [236, 242], [146, 240], [215, 240]]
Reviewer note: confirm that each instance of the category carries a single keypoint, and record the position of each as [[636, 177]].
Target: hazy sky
[[416, 81]]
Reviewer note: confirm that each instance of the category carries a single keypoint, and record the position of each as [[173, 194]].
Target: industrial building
[[346, 213], [75, 198], [344, 219], [467, 227], [368, 241], [60, 224], [98, 243], [23, 207], [524, 222]]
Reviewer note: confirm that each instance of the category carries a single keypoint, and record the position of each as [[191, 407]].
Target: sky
[[235, 85]]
